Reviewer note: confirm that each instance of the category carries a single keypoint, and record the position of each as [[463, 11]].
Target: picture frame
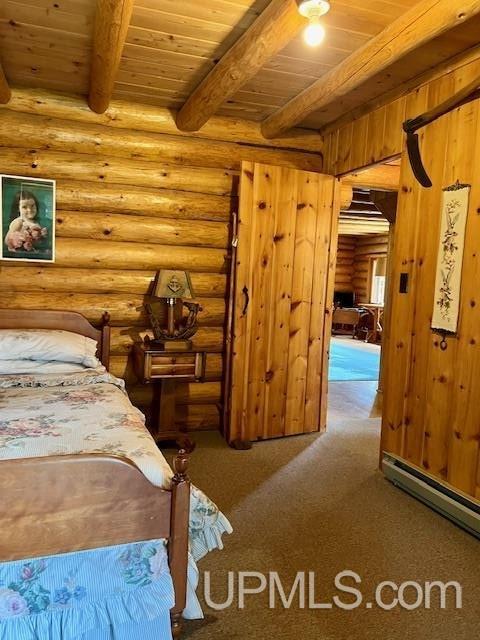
[[27, 219]]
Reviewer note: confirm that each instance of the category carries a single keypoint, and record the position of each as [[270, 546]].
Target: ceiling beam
[[5, 93], [273, 29], [458, 61], [384, 177], [422, 23], [112, 19]]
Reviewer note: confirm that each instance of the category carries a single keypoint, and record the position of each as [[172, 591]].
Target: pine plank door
[[283, 290]]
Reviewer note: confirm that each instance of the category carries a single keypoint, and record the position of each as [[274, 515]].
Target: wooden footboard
[[70, 503]]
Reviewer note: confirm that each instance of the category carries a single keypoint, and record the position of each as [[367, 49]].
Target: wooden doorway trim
[[382, 177]]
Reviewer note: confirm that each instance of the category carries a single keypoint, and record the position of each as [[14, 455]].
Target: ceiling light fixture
[[313, 10]]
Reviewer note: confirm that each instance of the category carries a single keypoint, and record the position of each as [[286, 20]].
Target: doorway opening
[[365, 240]]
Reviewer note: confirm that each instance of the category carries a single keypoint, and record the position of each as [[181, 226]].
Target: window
[[377, 287]]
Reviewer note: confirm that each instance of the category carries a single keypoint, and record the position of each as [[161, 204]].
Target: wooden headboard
[[60, 320]]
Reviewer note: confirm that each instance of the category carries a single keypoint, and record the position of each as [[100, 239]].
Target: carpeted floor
[[353, 360], [318, 503]]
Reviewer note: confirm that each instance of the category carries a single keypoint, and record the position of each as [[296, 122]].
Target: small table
[[376, 310], [163, 367]]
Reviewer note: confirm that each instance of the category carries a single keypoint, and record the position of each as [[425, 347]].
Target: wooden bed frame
[[100, 500]]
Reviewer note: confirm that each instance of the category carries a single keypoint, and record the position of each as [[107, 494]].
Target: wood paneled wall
[[432, 415], [431, 411], [366, 248], [128, 203], [377, 135], [345, 260]]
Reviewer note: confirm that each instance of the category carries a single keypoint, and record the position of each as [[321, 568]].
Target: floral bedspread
[[85, 413], [89, 412], [69, 595]]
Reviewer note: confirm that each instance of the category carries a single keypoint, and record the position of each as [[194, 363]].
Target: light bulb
[[314, 33]]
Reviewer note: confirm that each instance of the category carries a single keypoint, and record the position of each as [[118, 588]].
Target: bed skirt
[[116, 593]]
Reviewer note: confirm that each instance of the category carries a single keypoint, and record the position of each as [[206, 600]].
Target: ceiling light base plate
[[313, 8]]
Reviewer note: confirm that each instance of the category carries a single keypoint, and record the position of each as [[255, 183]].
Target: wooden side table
[[376, 310], [163, 368]]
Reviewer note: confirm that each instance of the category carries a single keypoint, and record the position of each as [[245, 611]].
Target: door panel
[[285, 268]]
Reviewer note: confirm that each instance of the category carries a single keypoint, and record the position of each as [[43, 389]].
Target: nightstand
[[163, 368]]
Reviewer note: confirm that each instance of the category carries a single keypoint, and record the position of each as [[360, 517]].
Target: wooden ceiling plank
[[188, 27], [175, 43], [421, 24], [66, 84], [149, 55], [24, 12], [111, 24], [5, 92], [35, 36], [220, 12], [43, 67], [390, 10], [77, 7], [276, 26]]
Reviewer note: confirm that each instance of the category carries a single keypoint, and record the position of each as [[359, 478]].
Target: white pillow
[[18, 367], [47, 345]]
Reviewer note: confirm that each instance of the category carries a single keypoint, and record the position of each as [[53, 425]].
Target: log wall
[[366, 248], [431, 412], [130, 202], [345, 260]]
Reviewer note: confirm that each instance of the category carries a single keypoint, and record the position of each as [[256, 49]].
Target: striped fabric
[[106, 594]]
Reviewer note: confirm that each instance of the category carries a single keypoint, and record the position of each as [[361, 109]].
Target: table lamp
[[171, 287]]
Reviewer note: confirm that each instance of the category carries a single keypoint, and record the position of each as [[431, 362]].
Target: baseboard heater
[[450, 503]]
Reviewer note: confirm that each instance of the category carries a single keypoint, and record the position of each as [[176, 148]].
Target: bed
[[86, 492]]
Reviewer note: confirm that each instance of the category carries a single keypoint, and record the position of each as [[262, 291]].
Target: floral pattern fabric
[[89, 412], [76, 592], [77, 413]]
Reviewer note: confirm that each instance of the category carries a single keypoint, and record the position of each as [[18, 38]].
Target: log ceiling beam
[[273, 29], [112, 20], [5, 92], [422, 23], [384, 177]]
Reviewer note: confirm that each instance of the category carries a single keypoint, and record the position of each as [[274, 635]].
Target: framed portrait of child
[[27, 219]]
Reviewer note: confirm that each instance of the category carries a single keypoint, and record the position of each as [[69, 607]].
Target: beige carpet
[[318, 503]]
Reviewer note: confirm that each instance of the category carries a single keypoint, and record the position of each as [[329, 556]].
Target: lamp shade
[[172, 283]]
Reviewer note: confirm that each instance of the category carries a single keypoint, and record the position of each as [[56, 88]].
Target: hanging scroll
[[450, 257]]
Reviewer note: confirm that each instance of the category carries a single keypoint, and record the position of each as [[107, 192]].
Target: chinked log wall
[[345, 259], [366, 248], [353, 262], [431, 412], [130, 202]]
